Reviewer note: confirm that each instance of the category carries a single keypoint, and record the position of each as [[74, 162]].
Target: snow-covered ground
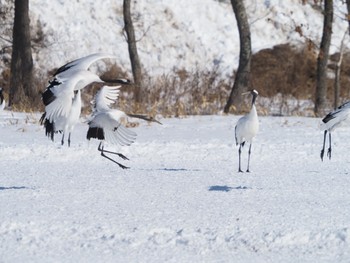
[[181, 201]]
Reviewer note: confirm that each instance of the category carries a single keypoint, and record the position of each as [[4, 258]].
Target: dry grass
[[281, 75], [184, 93], [285, 70]]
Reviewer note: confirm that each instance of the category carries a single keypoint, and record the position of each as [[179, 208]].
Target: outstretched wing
[[107, 126], [120, 135], [106, 96], [83, 63]]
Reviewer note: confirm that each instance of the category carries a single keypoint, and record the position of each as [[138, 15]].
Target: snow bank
[[174, 34]]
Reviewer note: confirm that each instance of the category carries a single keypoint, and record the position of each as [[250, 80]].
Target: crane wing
[[106, 96], [83, 63], [339, 111], [120, 135], [58, 98], [60, 107], [107, 126]]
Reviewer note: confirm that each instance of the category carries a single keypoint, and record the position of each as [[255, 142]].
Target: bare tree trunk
[[322, 59], [22, 90], [337, 73], [134, 57], [348, 6], [243, 78]]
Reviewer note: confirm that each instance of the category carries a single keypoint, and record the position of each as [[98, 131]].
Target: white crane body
[[62, 97], [246, 129], [105, 123], [330, 122]]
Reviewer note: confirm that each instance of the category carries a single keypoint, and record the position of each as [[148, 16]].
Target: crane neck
[[253, 99]]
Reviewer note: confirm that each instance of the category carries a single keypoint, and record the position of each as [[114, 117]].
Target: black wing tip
[[49, 127], [328, 117], [47, 96], [63, 68], [96, 133]]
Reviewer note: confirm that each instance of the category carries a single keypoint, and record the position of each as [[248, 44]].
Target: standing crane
[[246, 129], [331, 121]]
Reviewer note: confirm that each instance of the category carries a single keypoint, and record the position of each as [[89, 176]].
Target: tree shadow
[[225, 188], [2, 188]]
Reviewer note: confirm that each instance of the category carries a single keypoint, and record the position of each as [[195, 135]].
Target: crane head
[[254, 93], [251, 92]]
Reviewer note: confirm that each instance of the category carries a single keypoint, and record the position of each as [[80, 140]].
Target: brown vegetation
[[285, 70], [280, 74]]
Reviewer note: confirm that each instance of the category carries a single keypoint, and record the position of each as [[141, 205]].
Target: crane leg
[[100, 148], [239, 157], [324, 143], [62, 140], [250, 150], [69, 140], [330, 147]]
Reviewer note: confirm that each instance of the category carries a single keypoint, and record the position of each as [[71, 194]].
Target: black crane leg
[[324, 143], [329, 152], [250, 150], [239, 157], [69, 140], [100, 148], [119, 154]]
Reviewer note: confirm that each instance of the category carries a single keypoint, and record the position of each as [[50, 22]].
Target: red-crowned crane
[[331, 121], [246, 129], [105, 123], [62, 97]]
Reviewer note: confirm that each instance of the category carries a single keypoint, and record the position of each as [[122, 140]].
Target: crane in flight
[[105, 123]]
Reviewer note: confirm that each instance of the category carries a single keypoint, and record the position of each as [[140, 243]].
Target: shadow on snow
[[12, 188], [225, 188]]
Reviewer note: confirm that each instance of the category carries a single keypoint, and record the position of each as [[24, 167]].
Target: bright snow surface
[[182, 200]]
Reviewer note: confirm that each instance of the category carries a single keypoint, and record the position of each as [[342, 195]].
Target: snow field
[[181, 201]]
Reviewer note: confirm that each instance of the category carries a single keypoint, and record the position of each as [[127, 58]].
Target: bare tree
[[21, 80], [243, 78], [134, 57], [322, 59], [6, 27], [337, 72], [348, 17]]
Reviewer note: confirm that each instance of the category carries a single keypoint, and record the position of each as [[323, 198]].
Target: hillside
[[173, 34]]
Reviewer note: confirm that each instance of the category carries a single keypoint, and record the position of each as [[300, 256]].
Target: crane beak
[[146, 118], [246, 93]]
